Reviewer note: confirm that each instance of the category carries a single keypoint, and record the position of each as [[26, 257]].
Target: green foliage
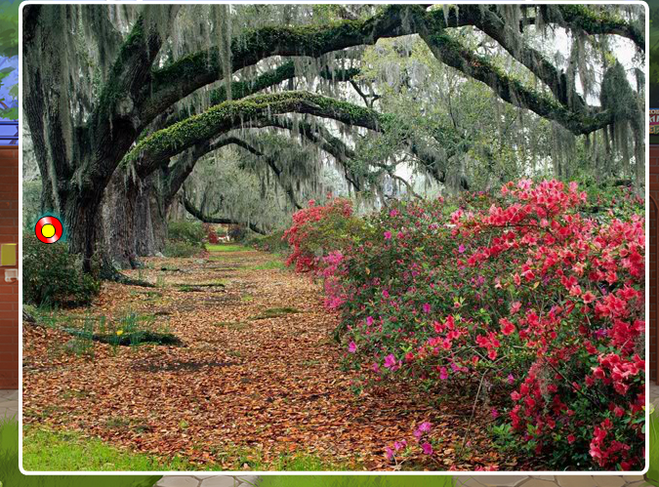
[[130, 329], [185, 238], [226, 248], [53, 277], [188, 231], [178, 248], [272, 264], [9, 28], [653, 472], [46, 450], [31, 204], [273, 242]]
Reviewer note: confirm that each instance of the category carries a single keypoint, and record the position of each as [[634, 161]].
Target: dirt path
[[257, 385]]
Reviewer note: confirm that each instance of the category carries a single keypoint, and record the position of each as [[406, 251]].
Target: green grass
[[275, 313], [226, 248], [45, 450], [272, 264], [653, 472], [11, 476], [356, 481], [232, 325], [294, 461]]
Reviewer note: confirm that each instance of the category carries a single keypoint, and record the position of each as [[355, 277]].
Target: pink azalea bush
[[526, 289], [316, 231]]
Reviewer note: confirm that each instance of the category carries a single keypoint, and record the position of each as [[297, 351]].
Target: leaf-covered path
[[257, 384]]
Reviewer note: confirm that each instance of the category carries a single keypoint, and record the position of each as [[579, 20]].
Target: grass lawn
[[10, 476], [45, 450], [653, 472], [226, 248]]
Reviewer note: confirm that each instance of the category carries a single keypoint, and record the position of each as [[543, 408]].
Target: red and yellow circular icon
[[48, 229]]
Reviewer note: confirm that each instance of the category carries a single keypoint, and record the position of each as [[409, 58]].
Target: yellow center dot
[[48, 230]]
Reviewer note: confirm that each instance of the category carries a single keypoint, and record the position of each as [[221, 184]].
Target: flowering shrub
[[317, 230], [527, 290], [211, 235]]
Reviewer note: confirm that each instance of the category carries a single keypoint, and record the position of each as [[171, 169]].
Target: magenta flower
[[461, 248], [425, 427], [511, 379], [352, 347], [385, 294], [443, 374], [495, 413], [387, 235], [427, 448], [389, 453], [400, 444], [375, 367], [369, 320], [426, 308], [390, 361]]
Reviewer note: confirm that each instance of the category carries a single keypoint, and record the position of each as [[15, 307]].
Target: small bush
[[211, 234], [273, 242], [319, 231], [179, 248], [53, 277], [192, 232], [237, 233]]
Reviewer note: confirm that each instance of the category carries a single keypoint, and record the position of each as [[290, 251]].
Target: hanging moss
[[619, 98]]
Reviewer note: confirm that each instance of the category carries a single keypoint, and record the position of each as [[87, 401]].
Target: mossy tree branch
[[179, 79], [452, 53], [166, 143], [490, 22], [593, 23], [198, 214], [242, 89]]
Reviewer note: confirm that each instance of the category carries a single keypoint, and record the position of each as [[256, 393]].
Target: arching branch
[[179, 171], [179, 79], [452, 53], [582, 17], [190, 208], [166, 143]]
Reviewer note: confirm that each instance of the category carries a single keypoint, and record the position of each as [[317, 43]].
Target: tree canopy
[[134, 105]]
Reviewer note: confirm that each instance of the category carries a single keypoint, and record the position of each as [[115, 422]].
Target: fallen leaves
[[270, 386]]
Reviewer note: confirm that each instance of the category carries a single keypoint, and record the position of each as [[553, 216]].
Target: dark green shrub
[[185, 238], [192, 232], [53, 277], [180, 248], [237, 233], [272, 242]]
